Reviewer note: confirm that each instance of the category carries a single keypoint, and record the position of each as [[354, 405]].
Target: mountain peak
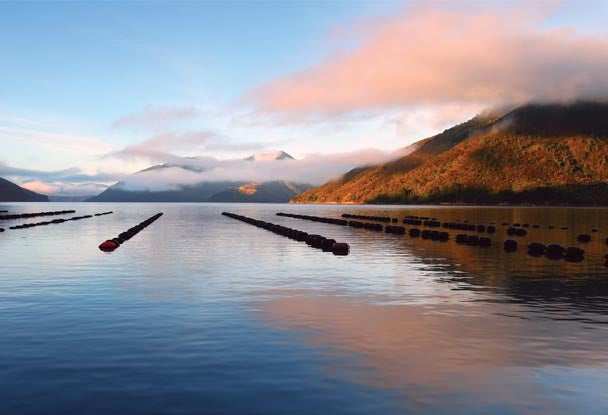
[[183, 166], [274, 155]]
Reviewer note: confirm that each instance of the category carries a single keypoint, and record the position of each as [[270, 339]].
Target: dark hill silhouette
[[10, 192], [267, 192], [195, 193]]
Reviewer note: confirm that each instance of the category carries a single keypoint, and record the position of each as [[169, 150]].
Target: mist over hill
[[536, 153], [185, 182]]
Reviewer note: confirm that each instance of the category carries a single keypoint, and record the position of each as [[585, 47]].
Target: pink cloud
[[439, 56], [64, 188], [40, 187]]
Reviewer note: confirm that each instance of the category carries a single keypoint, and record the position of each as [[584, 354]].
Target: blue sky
[[120, 57], [71, 71]]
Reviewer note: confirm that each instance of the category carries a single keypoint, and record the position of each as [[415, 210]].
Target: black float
[[473, 240], [583, 237], [366, 217], [510, 245]]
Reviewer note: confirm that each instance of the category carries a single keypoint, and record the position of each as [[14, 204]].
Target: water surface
[[200, 313]]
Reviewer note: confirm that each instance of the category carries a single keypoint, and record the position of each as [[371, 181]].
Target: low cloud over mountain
[[314, 169]]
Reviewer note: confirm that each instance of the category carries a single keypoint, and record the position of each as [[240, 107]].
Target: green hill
[[542, 154]]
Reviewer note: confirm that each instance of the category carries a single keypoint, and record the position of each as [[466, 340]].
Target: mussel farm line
[[459, 224], [111, 244], [34, 215], [316, 241], [55, 221], [550, 251], [376, 227]]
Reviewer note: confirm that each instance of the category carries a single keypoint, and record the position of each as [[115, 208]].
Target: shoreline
[[445, 204], [451, 204]]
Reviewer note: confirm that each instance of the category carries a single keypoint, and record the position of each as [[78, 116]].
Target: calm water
[[203, 314]]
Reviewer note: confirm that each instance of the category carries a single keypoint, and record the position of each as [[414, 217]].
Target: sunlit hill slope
[[541, 154]]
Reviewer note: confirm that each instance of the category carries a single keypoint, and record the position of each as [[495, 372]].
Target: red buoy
[[108, 246]]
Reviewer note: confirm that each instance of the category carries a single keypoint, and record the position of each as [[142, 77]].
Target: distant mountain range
[[68, 199], [10, 192], [267, 192], [542, 154], [275, 155], [207, 191], [532, 154]]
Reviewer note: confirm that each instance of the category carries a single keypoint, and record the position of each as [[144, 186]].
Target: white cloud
[[313, 168]]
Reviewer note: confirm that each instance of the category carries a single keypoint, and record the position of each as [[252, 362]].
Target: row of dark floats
[[34, 214], [314, 240], [107, 246], [551, 251], [111, 245], [48, 222]]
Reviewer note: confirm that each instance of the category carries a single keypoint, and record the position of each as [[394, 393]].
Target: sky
[[91, 92]]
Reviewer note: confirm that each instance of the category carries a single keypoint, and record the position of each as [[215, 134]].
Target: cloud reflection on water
[[466, 356]]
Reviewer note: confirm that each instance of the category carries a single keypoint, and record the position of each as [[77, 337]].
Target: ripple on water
[[199, 313]]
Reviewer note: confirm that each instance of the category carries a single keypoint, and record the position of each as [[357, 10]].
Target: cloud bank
[[314, 169], [435, 56], [64, 189], [68, 182]]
